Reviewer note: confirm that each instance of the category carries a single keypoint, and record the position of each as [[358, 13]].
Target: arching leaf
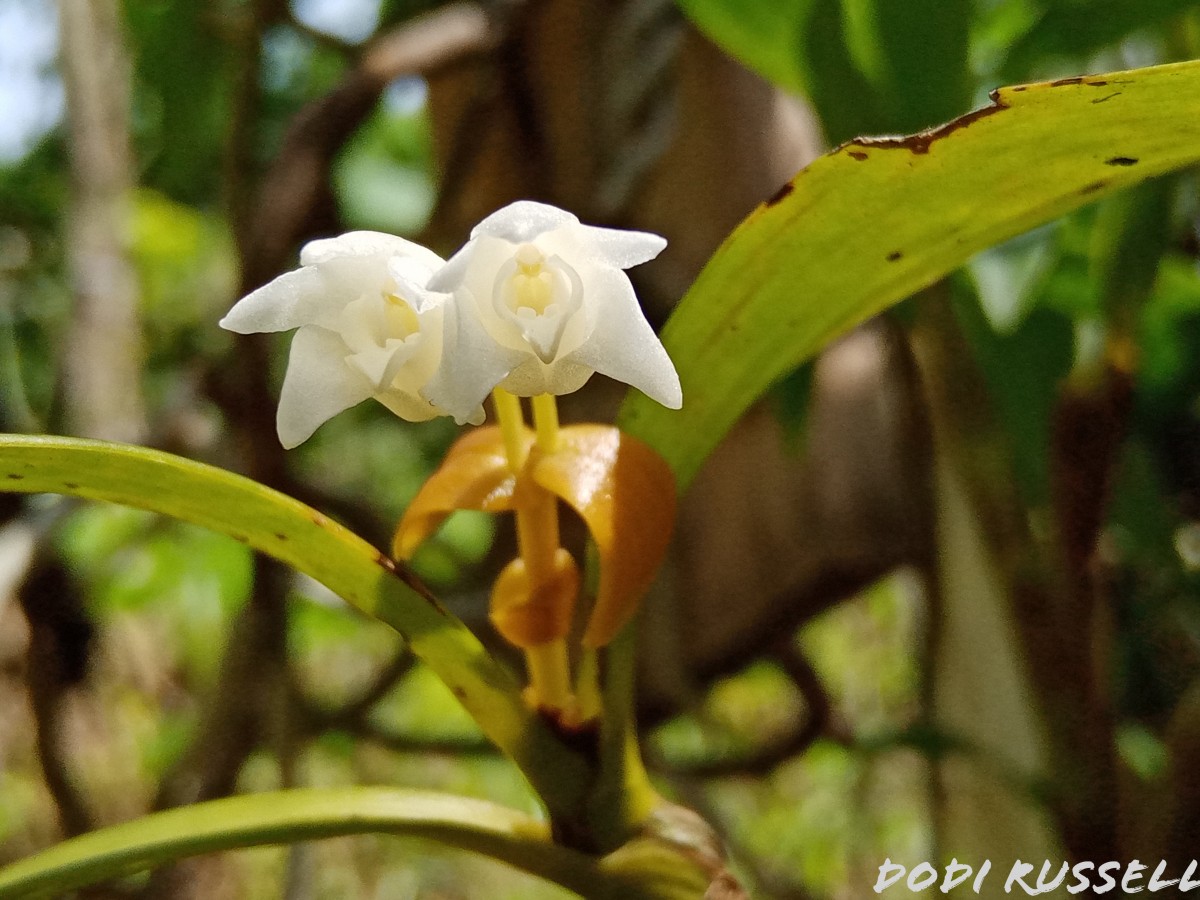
[[288, 816], [319, 547], [872, 222]]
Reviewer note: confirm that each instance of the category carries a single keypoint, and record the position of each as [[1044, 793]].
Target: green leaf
[[891, 64], [914, 52], [764, 34], [321, 548], [1075, 31], [643, 869], [872, 222], [843, 96], [297, 815]]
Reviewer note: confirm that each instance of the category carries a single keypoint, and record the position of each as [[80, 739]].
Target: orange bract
[[623, 491], [474, 475], [530, 614]]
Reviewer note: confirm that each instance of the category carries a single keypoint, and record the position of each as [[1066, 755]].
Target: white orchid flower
[[369, 327], [542, 302]]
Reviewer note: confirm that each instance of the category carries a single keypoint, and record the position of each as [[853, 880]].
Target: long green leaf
[[296, 815], [321, 548], [872, 222], [645, 869]]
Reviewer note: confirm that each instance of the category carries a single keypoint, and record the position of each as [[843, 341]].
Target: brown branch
[[1055, 623], [295, 190], [321, 38], [766, 758], [315, 717], [60, 636]]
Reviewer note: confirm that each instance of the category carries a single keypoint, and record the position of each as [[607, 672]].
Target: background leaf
[[766, 34]]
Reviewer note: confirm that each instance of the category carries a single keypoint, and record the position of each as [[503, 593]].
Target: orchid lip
[[538, 295]]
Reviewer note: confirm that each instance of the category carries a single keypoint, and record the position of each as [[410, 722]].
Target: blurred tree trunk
[[985, 697], [102, 365], [102, 368]]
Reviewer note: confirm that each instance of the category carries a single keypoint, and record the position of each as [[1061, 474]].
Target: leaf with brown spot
[[795, 276]]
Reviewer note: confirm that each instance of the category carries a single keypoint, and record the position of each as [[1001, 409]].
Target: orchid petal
[[532, 377], [529, 615], [364, 293], [474, 364], [625, 493], [291, 300], [523, 221], [474, 475], [366, 243], [623, 249], [623, 346], [543, 303], [318, 385], [408, 407]]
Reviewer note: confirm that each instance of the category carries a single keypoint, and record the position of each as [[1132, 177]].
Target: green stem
[[538, 539], [545, 420]]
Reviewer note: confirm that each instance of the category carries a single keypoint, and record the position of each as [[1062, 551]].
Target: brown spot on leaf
[[894, 255], [725, 887], [858, 154], [1107, 97], [1080, 79], [319, 520], [405, 574], [1093, 187], [787, 188], [15, 477], [920, 142], [1121, 161], [279, 535], [71, 485]]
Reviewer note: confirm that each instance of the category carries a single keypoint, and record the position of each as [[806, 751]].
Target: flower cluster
[[534, 303]]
